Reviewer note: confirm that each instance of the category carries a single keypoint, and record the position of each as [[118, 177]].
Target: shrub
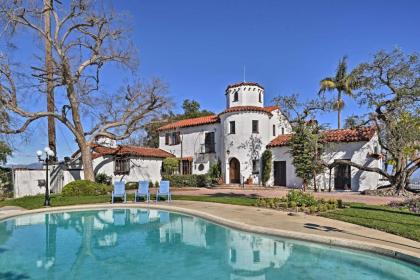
[[215, 170], [340, 203], [188, 180], [312, 209], [301, 198], [85, 187], [150, 184], [131, 185], [102, 178], [292, 204], [322, 208], [170, 166], [266, 166], [157, 184]]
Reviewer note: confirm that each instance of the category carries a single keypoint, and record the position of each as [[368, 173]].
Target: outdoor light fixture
[[49, 157]]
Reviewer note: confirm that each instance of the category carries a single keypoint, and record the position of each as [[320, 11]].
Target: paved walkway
[[272, 222], [279, 192]]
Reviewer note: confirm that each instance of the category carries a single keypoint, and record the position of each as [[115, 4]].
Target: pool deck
[[271, 222]]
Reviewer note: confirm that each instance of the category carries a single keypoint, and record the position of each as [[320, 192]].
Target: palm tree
[[343, 83]]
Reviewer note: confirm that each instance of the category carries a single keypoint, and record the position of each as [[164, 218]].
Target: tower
[[244, 94]]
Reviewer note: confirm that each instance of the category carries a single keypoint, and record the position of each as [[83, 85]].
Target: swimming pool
[[151, 244]]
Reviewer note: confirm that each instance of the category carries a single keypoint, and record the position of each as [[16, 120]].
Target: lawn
[[33, 202], [399, 222], [395, 221]]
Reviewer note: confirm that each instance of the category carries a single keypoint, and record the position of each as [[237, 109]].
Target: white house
[[239, 135], [236, 137]]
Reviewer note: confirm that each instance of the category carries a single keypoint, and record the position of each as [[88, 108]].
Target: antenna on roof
[[244, 73]]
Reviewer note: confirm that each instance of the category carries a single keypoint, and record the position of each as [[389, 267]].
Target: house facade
[[239, 135]]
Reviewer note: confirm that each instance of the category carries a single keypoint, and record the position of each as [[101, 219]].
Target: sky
[[200, 47]]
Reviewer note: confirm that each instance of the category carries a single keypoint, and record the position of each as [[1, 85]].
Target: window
[[235, 96], [282, 130], [122, 165], [255, 166], [173, 138], [259, 97], [256, 255], [209, 144], [201, 167], [254, 126], [232, 129], [186, 166], [274, 130]]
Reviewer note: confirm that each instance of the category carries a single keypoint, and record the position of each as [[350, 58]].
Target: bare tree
[[85, 38], [390, 86]]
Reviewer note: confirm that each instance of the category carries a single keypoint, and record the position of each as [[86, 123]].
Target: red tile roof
[[250, 108], [336, 135], [243, 84], [99, 151], [191, 122], [215, 118]]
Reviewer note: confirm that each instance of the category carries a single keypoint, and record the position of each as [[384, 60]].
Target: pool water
[[151, 244]]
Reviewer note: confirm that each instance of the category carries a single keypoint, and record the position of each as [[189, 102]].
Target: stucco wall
[[140, 169], [355, 151], [236, 143], [247, 96], [26, 182], [193, 145]]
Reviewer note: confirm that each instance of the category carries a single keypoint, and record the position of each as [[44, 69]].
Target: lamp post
[[49, 156]]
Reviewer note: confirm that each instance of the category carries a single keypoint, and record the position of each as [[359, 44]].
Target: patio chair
[[164, 190], [142, 191], [119, 191]]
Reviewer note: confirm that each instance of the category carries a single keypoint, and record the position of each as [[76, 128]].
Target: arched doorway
[[234, 171]]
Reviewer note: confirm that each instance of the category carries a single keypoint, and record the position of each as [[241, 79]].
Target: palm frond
[[327, 84]]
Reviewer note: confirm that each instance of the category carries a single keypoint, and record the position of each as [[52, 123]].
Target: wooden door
[[280, 173], [234, 171], [342, 177]]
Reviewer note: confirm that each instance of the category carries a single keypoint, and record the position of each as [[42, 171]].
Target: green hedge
[[85, 187], [188, 180]]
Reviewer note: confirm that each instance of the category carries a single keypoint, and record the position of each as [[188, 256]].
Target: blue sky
[[199, 47]]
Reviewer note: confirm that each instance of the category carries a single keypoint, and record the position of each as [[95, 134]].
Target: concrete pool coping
[[269, 222]]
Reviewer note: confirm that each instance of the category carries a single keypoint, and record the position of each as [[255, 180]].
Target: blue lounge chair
[[163, 190], [142, 191], [119, 191]]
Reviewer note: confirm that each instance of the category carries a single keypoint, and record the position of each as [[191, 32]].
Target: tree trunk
[[315, 186], [329, 180], [399, 183], [87, 162], [339, 110], [50, 87]]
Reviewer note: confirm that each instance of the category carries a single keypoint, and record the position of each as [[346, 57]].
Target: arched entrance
[[234, 171]]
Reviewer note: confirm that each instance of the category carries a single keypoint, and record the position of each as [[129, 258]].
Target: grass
[[34, 202], [391, 220]]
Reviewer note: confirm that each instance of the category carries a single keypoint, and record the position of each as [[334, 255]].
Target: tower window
[[274, 130], [259, 97], [254, 126], [235, 96], [282, 130], [232, 128]]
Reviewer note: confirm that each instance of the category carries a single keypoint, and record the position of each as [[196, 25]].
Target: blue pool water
[[151, 244]]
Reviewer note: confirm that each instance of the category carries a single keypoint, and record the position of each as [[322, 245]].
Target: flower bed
[[299, 201]]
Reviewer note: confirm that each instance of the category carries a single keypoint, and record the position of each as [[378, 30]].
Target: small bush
[[322, 208], [170, 166], [102, 178], [157, 184], [150, 184], [340, 203], [131, 186], [85, 187], [313, 209], [188, 180], [292, 204]]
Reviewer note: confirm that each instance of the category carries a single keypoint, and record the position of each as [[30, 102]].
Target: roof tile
[[191, 122], [99, 151], [336, 135]]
